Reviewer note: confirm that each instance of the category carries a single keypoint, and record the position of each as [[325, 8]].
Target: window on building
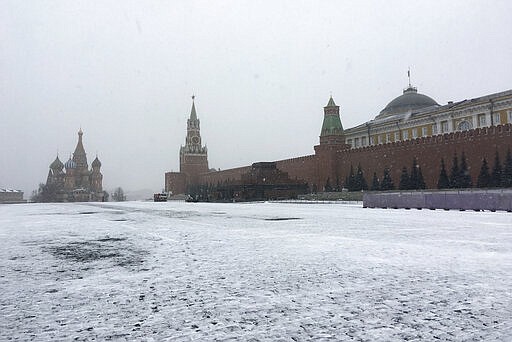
[[510, 116], [397, 136], [434, 129], [481, 120], [380, 139], [356, 142], [464, 125], [496, 118], [363, 141], [444, 126], [372, 141], [388, 137], [414, 133], [405, 135], [424, 131], [349, 142]]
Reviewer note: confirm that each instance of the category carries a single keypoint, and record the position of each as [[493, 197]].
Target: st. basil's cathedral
[[73, 181]]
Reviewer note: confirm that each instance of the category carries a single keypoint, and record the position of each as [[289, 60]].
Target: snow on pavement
[[253, 271]]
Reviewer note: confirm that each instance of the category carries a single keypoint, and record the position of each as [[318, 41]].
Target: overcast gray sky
[[262, 71]]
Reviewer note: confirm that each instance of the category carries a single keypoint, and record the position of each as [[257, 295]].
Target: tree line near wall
[[458, 178], [500, 177], [356, 181]]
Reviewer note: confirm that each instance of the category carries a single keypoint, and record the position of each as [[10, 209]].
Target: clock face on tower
[[195, 140]]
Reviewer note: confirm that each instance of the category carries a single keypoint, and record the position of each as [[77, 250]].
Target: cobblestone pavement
[[255, 272]]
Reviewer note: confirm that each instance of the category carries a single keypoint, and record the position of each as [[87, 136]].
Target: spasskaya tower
[[193, 156]]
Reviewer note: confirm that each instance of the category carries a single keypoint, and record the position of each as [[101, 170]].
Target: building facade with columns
[[413, 115]]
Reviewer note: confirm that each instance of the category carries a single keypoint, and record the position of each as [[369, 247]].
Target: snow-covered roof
[[9, 190]]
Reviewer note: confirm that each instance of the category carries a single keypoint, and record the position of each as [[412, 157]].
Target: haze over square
[[125, 72]]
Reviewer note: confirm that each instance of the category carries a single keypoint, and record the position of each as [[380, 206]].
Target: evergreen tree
[[387, 182], [118, 195], [444, 181], [484, 177], [360, 181], [404, 180], [350, 180], [375, 183], [45, 193], [455, 173], [496, 172], [328, 187], [37, 194], [421, 180], [414, 178], [204, 193], [105, 196], [506, 176], [337, 187], [465, 177]]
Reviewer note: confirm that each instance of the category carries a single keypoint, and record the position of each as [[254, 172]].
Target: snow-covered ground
[[253, 271]]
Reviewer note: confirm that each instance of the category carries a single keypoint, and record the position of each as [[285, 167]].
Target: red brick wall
[[194, 165], [176, 182], [304, 168], [220, 176], [476, 144], [333, 161]]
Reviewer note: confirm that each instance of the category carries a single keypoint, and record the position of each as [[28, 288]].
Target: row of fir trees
[[412, 179], [499, 177]]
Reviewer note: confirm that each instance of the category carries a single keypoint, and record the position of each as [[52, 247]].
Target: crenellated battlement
[[459, 136], [297, 159], [213, 177], [317, 168]]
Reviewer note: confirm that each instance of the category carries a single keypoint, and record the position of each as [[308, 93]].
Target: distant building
[[11, 196], [413, 115], [73, 181]]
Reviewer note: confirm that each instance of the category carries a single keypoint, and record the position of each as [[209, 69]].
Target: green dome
[[57, 164], [96, 162]]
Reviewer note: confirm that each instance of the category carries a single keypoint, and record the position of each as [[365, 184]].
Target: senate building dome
[[410, 100]]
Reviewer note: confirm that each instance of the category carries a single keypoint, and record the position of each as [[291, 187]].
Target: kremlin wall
[[411, 126]]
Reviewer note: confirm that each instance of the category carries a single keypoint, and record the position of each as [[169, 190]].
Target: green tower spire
[[332, 123]]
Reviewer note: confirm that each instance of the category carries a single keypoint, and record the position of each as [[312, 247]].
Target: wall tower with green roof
[[332, 129]]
